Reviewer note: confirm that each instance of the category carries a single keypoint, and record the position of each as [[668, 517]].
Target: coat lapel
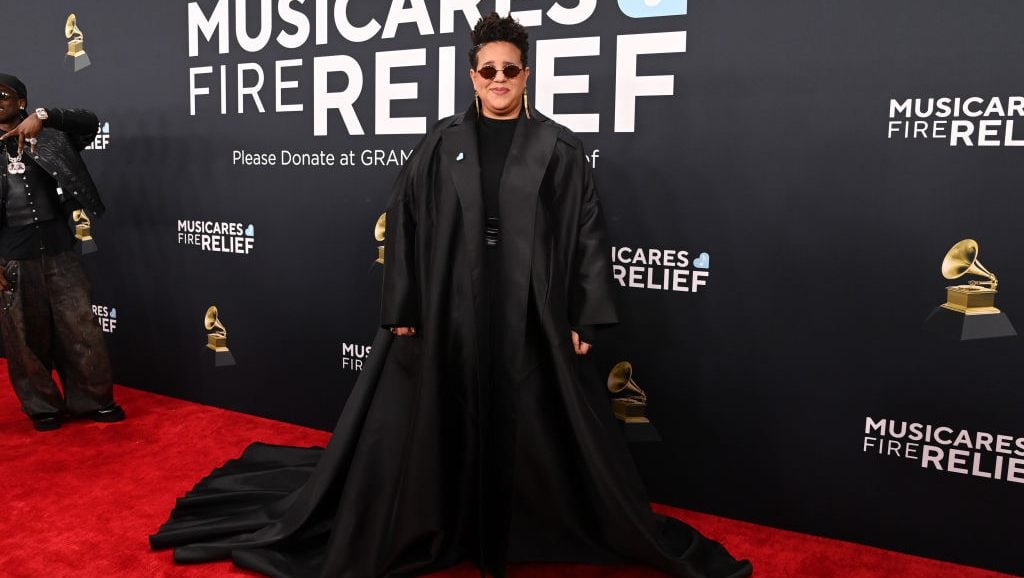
[[525, 166], [461, 160], [459, 153]]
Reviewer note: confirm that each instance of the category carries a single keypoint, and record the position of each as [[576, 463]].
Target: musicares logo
[[971, 121], [102, 140], [217, 236], [106, 316], [947, 449], [660, 269], [353, 355]]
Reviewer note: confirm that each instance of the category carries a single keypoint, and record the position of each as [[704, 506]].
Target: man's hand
[[404, 331], [5, 285], [581, 347], [28, 130]]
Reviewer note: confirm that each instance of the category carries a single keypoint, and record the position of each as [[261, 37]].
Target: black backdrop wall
[[781, 181]]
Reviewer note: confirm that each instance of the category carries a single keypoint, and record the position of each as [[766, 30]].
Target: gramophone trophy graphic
[[969, 311], [378, 233], [75, 43], [217, 339], [629, 404], [83, 232]]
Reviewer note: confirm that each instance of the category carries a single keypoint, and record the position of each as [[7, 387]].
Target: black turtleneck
[[495, 139]]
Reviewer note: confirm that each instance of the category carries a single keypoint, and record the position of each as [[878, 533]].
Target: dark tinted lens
[[489, 72], [4, 96], [511, 71]]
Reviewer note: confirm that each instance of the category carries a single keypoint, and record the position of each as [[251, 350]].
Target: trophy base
[[639, 430], [221, 356], [971, 299], [966, 325], [81, 61], [87, 246]]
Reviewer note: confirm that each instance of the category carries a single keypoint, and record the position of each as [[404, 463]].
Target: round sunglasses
[[489, 71]]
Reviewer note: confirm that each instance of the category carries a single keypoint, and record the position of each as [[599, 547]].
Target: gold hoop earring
[[476, 99], [526, 104]]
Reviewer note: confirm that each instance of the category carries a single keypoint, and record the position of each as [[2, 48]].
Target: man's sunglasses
[[5, 95], [489, 71]]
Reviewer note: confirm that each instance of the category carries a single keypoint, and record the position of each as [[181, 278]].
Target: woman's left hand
[[581, 347]]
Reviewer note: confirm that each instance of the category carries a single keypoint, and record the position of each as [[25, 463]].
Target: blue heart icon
[[703, 261], [652, 8], [250, 231], [113, 313]]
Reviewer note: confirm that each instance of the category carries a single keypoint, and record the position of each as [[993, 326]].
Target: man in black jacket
[[45, 295]]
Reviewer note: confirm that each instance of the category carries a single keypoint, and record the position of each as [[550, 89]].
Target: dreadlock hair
[[494, 28]]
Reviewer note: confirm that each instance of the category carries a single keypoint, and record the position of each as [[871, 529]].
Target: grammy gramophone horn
[[71, 28], [379, 228], [79, 216], [962, 259], [212, 321], [378, 233], [621, 380]]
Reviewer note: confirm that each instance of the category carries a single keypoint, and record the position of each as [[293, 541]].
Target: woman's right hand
[[404, 331]]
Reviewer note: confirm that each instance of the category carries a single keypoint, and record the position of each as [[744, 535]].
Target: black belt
[[492, 228]]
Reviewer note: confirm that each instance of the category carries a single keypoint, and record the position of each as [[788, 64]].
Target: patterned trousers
[[48, 324]]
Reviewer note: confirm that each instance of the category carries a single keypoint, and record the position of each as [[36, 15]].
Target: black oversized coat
[[483, 437]]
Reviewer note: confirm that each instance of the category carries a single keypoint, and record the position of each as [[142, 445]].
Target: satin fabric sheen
[[484, 437]]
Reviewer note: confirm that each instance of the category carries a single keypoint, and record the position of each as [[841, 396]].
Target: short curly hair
[[494, 28]]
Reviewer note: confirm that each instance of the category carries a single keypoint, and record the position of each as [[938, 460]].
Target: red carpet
[[81, 501]]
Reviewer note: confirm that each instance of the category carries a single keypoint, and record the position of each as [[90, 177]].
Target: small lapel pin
[[460, 157]]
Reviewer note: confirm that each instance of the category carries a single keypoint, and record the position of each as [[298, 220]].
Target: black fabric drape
[[446, 451]]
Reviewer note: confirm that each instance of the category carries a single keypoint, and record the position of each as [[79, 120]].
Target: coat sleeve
[[79, 124], [400, 292], [591, 301]]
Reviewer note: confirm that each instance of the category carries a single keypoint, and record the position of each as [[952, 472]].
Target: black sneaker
[[111, 413], [46, 421]]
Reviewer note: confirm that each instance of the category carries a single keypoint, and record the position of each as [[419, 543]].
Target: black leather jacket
[[65, 133]]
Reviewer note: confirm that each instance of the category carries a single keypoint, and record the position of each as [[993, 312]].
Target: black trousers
[[48, 324]]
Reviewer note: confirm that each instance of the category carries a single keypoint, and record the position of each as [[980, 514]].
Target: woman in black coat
[[476, 430]]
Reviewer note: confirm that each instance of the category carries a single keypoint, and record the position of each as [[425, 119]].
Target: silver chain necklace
[[14, 164]]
